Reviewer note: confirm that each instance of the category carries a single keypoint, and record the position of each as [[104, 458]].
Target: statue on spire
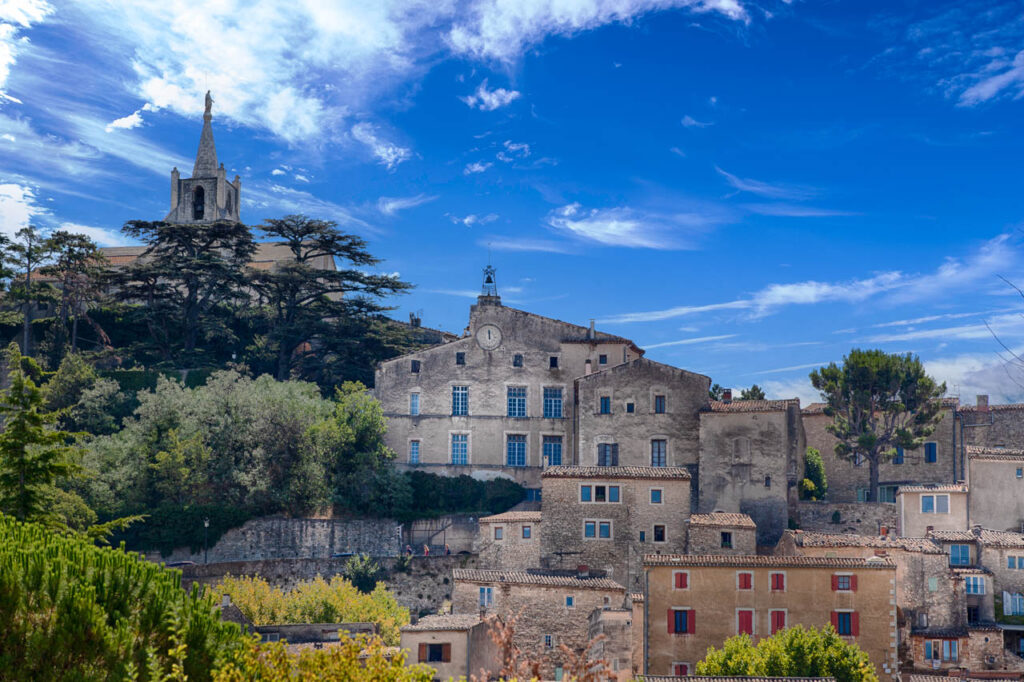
[[209, 104]]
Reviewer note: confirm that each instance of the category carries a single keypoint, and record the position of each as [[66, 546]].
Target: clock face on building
[[488, 337]]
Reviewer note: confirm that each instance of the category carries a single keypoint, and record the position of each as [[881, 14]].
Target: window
[[767, 481], [517, 401], [198, 203], [600, 493], [680, 580], [931, 453], [570, 601], [460, 358], [527, 532], [460, 401], [606, 404], [608, 455], [844, 583], [659, 404], [486, 596], [1020, 472], [744, 622], [602, 359], [959, 555], [631, 408], [643, 536], [613, 493], [778, 620], [845, 623], [1013, 604], [604, 529], [858, 459], [597, 529], [460, 448], [553, 362], [681, 621], [499, 532], [414, 366], [898, 457], [414, 404], [975, 584], [515, 450], [887, 493], [935, 504], [656, 495], [549, 641], [933, 584], [552, 403], [778, 581], [552, 450], [517, 360], [589, 529], [726, 539], [942, 649], [436, 653], [744, 581], [681, 669], [586, 493], [414, 452], [1011, 562], [659, 533], [659, 453]]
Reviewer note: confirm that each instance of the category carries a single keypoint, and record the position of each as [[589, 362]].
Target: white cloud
[[100, 235], [476, 167], [628, 227], [792, 388], [997, 375], [392, 205], [678, 311], [920, 320], [133, 120], [525, 245], [15, 16], [765, 189], [388, 154], [17, 207], [793, 368], [1006, 327], [689, 342], [795, 211], [473, 219], [301, 178], [513, 151], [277, 171], [489, 100], [278, 199], [690, 122], [677, 151]]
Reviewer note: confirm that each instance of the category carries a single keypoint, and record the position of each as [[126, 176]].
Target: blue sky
[[747, 189]]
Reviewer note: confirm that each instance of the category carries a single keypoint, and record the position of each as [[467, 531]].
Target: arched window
[[198, 203]]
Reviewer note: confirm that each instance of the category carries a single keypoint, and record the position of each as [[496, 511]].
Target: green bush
[[434, 495], [815, 483]]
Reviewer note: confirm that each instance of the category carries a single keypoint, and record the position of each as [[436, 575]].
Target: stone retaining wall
[[863, 518]]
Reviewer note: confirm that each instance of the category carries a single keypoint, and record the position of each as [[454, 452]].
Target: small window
[[933, 584], [516, 402], [499, 533], [414, 404], [659, 453], [778, 619], [682, 621], [435, 653], [680, 669], [858, 459], [589, 529], [659, 404], [608, 455], [414, 366], [553, 362], [744, 581], [198, 203], [460, 358], [844, 583], [898, 457], [659, 533], [681, 580], [745, 622], [959, 555], [549, 641], [643, 536], [656, 495], [975, 584], [527, 532], [844, 623], [570, 601], [606, 404], [552, 450], [726, 539], [931, 453], [631, 408], [1020, 472], [460, 448], [414, 452], [604, 529], [602, 359], [486, 596], [778, 581], [460, 401], [517, 360], [613, 493], [1011, 562], [600, 493], [585, 493], [767, 481]]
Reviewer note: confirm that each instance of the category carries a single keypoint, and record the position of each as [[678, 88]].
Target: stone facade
[[576, 519], [749, 452], [934, 507], [862, 518], [456, 646], [716, 603], [721, 534], [611, 637], [548, 609], [848, 482], [992, 426], [510, 540], [996, 479]]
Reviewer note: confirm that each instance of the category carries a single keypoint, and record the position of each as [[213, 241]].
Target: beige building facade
[[922, 509], [455, 645], [510, 540], [996, 480]]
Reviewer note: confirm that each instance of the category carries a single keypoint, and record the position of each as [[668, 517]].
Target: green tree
[[363, 572], [315, 310], [76, 263], [755, 392], [716, 392], [27, 253], [814, 485], [878, 402], [793, 652], [33, 453], [183, 280]]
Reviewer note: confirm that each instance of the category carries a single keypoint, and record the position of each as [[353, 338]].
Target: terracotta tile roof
[[616, 472], [698, 678], [759, 561], [942, 488], [970, 570], [923, 545], [636, 597], [955, 678], [752, 405], [814, 408], [512, 517], [477, 575], [996, 454], [999, 538], [952, 536], [723, 520], [451, 621], [953, 631], [993, 408]]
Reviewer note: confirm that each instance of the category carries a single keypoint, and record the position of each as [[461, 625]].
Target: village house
[[695, 602], [721, 533], [510, 540], [546, 608], [996, 477], [456, 645], [992, 426], [611, 640], [924, 508]]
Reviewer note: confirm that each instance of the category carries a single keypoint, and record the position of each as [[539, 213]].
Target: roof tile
[[923, 545], [616, 472], [759, 561], [512, 517], [720, 519], [534, 578], [753, 405]]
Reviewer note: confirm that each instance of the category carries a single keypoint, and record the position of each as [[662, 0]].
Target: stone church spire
[[206, 157]]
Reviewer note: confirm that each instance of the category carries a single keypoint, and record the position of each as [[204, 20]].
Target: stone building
[[924, 508], [549, 608], [610, 517], [992, 426], [696, 602], [455, 645], [750, 453], [721, 534], [611, 639], [937, 461], [996, 479], [510, 540]]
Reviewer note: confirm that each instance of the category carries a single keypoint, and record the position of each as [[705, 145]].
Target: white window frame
[[414, 398], [650, 496], [974, 580], [547, 462], [469, 447], [487, 591], [752, 579], [525, 398], [597, 530], [453, 386], [689, 668], [544, 401]]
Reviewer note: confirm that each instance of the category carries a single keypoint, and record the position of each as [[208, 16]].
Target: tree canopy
[[878, 402], [755, 392]]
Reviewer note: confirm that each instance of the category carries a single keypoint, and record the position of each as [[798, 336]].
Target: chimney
[[727, 395], [982, 402], [588, 367], [591, 334], [582, 571]]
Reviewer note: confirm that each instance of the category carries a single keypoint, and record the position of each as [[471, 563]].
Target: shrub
[[363, 572]]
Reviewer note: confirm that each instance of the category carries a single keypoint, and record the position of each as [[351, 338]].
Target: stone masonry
[[721, 534]]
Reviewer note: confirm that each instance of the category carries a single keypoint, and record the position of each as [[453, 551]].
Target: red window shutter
[[671, 621], [835, 584], [854, 623], [691, 621], [745, 581], [746, 623], [423, 653], [782, 581], [681, 581], [835, 616], [681, 670], [853, 583]]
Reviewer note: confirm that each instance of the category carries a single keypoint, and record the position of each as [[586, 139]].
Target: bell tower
[[489, 291], [207, 196]]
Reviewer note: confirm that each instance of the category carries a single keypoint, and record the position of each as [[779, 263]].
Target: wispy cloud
[[100, 235], [785, 210], [476, 167], [268, 199], [19, 207], [513, 151], [473, 219], [14, 18], [922, 320], [678, 311], [690, 122], [489, 100], [525, 245], [387, 153], [689, 342], [793, 368], [634, 228], [766, 189], [995, 374], [1003, 326], [392, 205]]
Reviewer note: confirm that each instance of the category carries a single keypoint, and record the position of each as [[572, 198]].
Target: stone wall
[[705, 539], [513, 550], [995, 426], [861, 519]]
